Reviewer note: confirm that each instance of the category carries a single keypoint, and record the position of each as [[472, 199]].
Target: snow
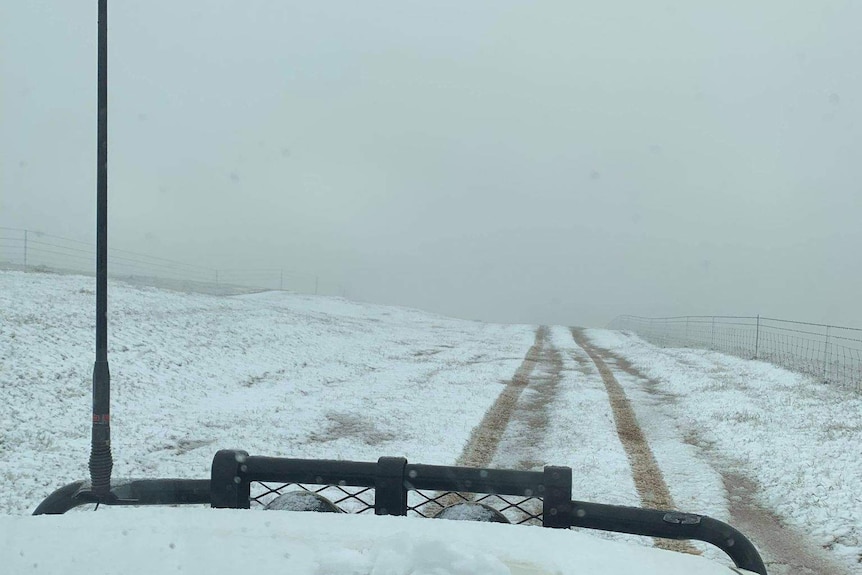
[[271, 373], [146, 541], [580, 433], [797, 438], [282, 374]]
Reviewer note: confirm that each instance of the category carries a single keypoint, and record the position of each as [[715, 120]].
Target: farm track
[[545, 359], [485, 438], [647, 475], [541, 371], [785, 550]]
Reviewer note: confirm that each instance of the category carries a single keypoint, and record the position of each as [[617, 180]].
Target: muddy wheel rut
[[647, 475], [785, 550], [485, 438], [484, 442]]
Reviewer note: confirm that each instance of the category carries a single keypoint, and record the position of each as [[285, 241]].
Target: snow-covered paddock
[[272, 373]]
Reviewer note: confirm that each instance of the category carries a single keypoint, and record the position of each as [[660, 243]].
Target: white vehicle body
[[168, 540]]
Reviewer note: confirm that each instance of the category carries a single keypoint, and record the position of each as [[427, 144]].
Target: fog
[[542, 162]]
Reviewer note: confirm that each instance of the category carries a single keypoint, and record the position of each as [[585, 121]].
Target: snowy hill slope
[[272, 373]]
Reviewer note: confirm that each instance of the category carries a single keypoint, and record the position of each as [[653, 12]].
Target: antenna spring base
[[101, 464]]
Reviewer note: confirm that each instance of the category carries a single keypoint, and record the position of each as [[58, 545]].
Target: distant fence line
[[830, 353], [34, 250]]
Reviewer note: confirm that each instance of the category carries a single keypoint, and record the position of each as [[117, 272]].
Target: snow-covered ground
[[798, 439], [272, 373], [579, 433], [565, 418], [289, 375]]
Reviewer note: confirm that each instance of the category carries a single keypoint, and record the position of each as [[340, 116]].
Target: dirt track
[[647, 475], [485, 438], [785, 551]]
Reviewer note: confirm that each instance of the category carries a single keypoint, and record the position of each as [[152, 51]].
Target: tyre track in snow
[[524, 420], [785, 550], [485, 437], [521, 444], [648, 478]]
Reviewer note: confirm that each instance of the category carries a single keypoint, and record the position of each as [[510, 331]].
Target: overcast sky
[[544, 162]]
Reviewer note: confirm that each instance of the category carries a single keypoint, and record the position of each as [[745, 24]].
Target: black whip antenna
[[101, 462]]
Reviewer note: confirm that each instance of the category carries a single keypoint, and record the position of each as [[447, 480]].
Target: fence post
[[712, 334], [216, 274], [757, 338], [281, 280], [316, 278], [826, 357], [686, 331], [25, 250]]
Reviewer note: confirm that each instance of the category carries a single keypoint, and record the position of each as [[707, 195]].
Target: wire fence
[[830, 353], [32, 250]]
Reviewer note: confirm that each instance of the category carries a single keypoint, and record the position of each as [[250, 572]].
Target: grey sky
[[557, 162]]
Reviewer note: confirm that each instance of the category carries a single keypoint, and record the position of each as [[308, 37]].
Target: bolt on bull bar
[[537, 497]]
